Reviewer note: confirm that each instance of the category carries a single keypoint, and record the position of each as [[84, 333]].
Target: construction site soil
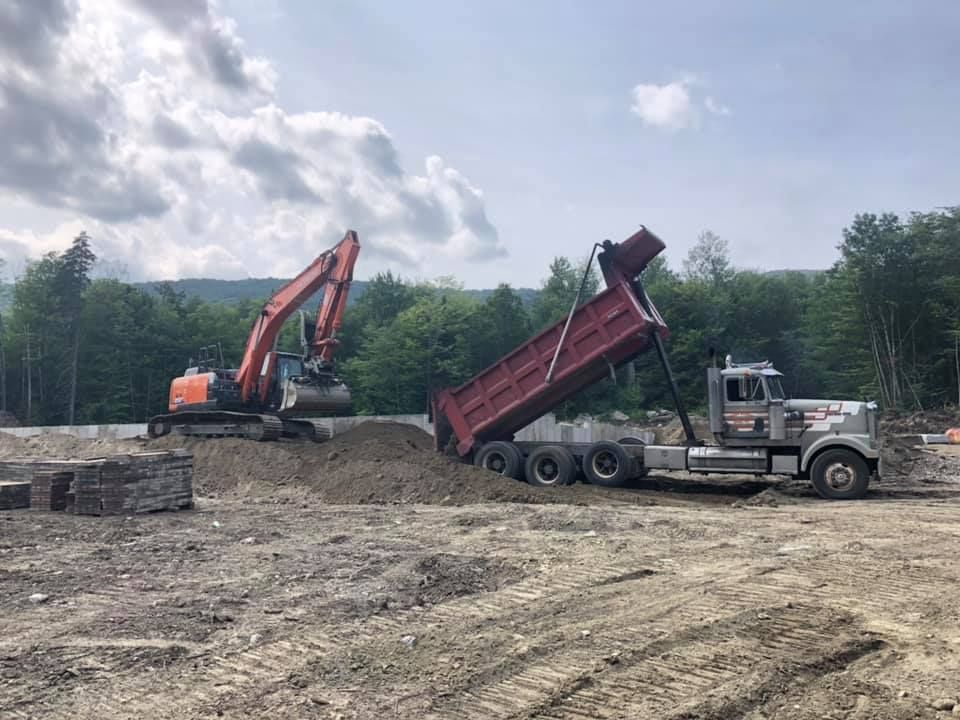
[[369, 577]]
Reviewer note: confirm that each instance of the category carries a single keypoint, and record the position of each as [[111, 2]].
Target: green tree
[[426, 347], [560, 289], [36, 338], [505, 324], [709, 259], [385, 297], [3, 354], [72, 280]]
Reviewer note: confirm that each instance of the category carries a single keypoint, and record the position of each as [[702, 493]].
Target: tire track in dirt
[[223, 674], [702, 663], [805, 597], [659, 674], [616, 611]]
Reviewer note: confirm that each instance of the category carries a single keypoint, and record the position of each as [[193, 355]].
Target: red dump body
[[611, 328]]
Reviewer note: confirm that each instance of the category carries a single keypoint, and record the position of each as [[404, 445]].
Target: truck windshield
[[775, 388]]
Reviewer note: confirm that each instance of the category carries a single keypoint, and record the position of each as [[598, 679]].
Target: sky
[[240, 138]]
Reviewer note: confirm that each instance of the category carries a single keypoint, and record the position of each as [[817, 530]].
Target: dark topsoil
[[375, 462]]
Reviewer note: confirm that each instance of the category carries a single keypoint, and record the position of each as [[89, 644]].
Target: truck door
[[745, 409]]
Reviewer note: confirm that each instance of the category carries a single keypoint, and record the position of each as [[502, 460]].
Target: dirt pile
[[375, 462], [226, 464], [672, 432], [926, 421], [379, 462], [61, 446]]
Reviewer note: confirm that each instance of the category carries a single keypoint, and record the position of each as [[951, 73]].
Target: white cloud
[[673, 106], [714, 107], [174, 154], [664, 106]]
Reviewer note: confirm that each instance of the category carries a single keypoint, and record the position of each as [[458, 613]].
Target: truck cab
[[748, 409]]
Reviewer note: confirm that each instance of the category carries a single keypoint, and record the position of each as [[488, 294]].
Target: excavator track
[[317, 430], [218, 424]]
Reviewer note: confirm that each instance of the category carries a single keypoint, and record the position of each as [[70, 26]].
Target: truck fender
[[831, 441]]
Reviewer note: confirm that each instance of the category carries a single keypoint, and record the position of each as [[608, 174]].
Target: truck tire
[[551, 466], [840, 475], [606, 463], [503, 458]]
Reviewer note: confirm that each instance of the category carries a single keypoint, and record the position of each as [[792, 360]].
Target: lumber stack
[[86, 489], [48, 489], [16, 479], [116, 485], [146, 482], [14, 495]]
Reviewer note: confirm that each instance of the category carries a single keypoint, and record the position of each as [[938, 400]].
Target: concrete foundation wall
[[546, 429], [86, 432]]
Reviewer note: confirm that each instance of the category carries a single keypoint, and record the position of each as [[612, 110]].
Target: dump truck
[[754, 428]]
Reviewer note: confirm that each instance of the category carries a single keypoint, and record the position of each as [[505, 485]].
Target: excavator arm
[[330, 314], [334, 265]]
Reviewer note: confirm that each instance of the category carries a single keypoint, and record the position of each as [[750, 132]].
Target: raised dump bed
[[605, 332]]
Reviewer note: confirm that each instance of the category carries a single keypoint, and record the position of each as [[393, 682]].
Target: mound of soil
[[226, 464], [61, 446], [383, 462], [672, 433], [926, 421], [375, 462]]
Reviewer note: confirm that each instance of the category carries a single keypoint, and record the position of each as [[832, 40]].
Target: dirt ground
[[369, 578]]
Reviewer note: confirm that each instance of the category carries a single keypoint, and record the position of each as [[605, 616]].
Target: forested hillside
[[234, 291], [883, 323]]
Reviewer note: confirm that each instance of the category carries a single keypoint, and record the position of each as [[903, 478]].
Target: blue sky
[[836, 108], [558, 124]]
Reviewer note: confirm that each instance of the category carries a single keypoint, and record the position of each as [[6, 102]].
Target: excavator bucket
[[303, 399]]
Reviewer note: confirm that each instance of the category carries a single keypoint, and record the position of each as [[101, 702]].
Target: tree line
[[882, 323]]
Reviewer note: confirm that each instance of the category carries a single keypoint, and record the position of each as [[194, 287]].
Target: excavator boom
[[334, 265]]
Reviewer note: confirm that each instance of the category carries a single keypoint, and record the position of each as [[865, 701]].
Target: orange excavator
[[273, 394]]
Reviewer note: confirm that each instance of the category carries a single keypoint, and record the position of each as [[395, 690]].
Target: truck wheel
[[840, 475], [550, 466], [503, 458], [607, 463]]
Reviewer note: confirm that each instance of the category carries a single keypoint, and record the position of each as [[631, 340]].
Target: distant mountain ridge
[[234, 291]]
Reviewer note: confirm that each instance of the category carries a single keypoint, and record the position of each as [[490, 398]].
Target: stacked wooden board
[[16, 479], [48, 489], [145, 482], [115, 485], [14, 495]]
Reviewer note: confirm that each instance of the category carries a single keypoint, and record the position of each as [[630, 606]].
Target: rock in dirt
[[38, 598], [409, 640], [944, 704]]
